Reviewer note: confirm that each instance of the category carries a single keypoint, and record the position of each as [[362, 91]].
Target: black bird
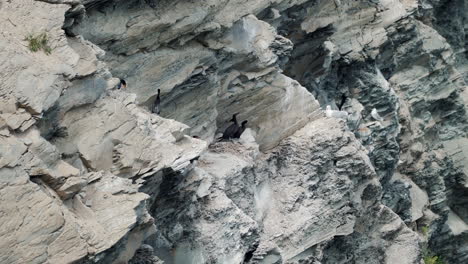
[[194, 159], [249, 254], [232, 129], [240, 130], [157, 102], [343, 101], [122, 84]]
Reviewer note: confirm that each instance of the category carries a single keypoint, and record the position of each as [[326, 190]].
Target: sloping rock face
[[284, 206], [89, 175]]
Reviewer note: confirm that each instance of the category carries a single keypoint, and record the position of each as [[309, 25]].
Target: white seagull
[[376, 115], [336, 114]]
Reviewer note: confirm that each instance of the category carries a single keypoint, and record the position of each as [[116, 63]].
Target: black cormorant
[[122, 84], [240, 130], [194, 159], [343, 101], [232, 129], [157, 102]]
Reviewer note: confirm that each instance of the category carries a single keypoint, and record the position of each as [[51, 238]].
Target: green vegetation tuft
[[430, 258], [39, 42], [425, 230]]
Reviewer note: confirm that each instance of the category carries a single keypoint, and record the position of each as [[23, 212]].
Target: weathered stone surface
[[36, 221], [392, 241], [413, 77], [30, 219], [117, 136], [85, 167], [194, 91], [35, 79], [128, 23], [19, 120], [280, 205], [145, 255]]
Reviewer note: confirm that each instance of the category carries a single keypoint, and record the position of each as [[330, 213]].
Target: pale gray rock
[[12, 151], [192, 91], [128, 141], [132, 27], [408, 93], [85, 168], [34, 79], [392, 241], [145, 255], [59, 229], [23, 223], [72, 217], [289, 204], [20, 120], [34, 184]]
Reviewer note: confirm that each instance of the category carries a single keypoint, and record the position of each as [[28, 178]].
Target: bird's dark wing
[[343, 101], [156, 108], [230, 131], [239, 132]]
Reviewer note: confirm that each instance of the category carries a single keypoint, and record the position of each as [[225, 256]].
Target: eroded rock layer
[[355, 151]]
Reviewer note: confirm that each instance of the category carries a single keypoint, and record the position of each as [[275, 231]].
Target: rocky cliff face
[[89, 175]]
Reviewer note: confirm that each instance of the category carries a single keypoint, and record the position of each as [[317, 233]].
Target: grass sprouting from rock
[[425, 230], [39, 42], [430, 258]]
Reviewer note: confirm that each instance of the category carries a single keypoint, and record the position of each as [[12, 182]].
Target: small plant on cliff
[[430, 258], [39, 42], [425, 230]]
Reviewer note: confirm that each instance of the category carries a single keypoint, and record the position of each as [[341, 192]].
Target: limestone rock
[[145, 255], [20, 120], [274, 210], [128, 141], [34, 182], [89, 175]]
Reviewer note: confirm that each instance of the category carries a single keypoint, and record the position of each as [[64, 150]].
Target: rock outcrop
[[89, 175]]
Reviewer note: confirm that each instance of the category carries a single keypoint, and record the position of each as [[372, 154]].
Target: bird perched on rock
[[241, 129], [156, 106], [336, 114], [376, 115], [122, 84], [343, 101], [232, 129]]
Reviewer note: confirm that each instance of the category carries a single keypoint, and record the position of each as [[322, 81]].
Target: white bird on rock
[[376, 115], [336, 114]]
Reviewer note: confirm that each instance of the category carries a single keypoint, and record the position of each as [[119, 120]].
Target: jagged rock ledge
[[89, 175]]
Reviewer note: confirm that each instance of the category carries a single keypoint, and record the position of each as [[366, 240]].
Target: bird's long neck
[[343, 100]]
